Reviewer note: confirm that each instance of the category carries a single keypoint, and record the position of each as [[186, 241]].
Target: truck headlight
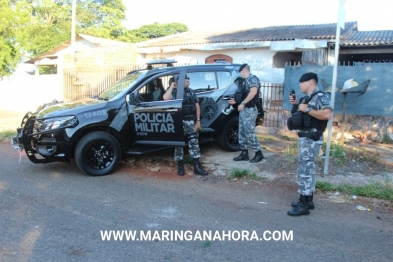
[[53, 123]]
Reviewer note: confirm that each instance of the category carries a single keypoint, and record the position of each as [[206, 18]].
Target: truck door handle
[[172, 110], [143, 105], [226, 98]]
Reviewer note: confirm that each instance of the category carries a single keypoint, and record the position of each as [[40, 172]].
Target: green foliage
[[288, 138], [380, 190], [151, 31], [341, 153], [292, 149], [265, 138], [13, 29], [5, 136], [47, 70], [188, 160], [158, 30], [241, 173], [387, 140], [37, 26]]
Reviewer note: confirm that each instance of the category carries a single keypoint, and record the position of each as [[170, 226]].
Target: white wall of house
[[255, 57]]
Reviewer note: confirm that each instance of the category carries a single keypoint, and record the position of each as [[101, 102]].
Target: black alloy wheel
[[97, 153]]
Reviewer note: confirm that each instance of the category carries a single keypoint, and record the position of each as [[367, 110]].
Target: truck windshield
[[121, 86]]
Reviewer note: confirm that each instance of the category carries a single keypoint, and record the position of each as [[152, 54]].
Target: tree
[[52, 21], [159, 30], [36, 26], [151, 31], [101, 18], [13, 24]]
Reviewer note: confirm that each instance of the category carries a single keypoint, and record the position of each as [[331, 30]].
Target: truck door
[[153, 120]]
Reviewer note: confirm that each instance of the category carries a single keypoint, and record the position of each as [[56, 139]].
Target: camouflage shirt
[[252, 81], [319, 101]]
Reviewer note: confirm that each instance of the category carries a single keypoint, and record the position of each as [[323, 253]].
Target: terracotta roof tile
[[372, 38], [271, 33]]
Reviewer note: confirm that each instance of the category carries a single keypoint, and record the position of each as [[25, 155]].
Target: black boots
[[301, 208], [180, 168], [309, 202], [243, 156], [258, 157], [198, 169]]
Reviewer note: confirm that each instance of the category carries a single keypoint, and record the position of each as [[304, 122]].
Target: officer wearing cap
[[314, 109], [248, 112], [191, 124]]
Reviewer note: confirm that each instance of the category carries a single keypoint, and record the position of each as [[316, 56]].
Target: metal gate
[[88, 83], [272, 97]]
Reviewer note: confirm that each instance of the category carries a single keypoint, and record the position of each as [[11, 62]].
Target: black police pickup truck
[[131, 117]]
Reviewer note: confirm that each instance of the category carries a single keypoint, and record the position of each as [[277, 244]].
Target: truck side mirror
[[130, 98]]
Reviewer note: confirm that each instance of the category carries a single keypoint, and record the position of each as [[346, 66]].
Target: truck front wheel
[[97, 153]]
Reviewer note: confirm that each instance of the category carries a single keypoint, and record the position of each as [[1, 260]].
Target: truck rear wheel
[[228, 139], [97, 153]]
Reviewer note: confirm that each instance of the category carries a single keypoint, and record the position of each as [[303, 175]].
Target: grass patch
[[387, 140], [5, 136], [288, 138], [237, 173], [380, 190], [265, 138], [342, 153], [188, 160], [292, 149]]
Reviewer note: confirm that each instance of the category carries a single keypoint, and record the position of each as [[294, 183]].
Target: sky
[[227, 15]]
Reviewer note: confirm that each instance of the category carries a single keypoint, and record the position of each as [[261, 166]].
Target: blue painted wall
[[377, 101]]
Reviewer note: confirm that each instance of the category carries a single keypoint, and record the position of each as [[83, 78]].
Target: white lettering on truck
[[154, 122]]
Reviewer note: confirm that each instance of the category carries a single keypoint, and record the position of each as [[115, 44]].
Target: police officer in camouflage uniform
[[247, 115], [314, 110], [191, 124]]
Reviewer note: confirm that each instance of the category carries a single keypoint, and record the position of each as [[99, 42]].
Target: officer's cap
[[242, 66], [308, 76]]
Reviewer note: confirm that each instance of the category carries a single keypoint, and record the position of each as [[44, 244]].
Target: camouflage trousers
[[246, 136], [306, 173], [192, 138]]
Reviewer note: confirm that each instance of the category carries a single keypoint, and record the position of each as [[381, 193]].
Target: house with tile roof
[[274, 46], [89, 50]]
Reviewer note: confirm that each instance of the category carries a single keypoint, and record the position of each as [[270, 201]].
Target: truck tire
[[228, 139], [97, 153]]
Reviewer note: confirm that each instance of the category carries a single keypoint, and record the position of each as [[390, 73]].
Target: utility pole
[[73, 22], [340, 24]]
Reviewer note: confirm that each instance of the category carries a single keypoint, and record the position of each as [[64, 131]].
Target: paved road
[[54, 213]]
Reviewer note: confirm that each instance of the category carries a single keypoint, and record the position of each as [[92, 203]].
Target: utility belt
[[249, 106], [314, 135], [188, 117]]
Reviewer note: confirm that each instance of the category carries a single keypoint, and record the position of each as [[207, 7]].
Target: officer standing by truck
[[309, 117], [247, 97], [191, 125]]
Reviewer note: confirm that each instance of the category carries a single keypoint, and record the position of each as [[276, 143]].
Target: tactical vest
[[243, 90], [305, 122], [254, 101], [188, 105]]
